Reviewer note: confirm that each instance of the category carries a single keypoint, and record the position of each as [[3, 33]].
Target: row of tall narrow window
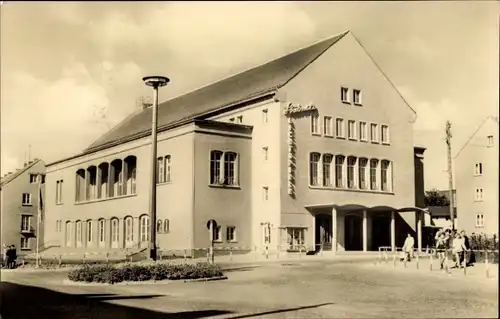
[[328, 170], [163, 226], [353, 130], [224, 168], [107, 180]]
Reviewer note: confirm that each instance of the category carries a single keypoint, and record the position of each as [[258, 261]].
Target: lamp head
[[155, 80]]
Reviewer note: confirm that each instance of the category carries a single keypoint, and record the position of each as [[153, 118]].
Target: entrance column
[[393, 231], [334, 230], [365, 232], [419, 231]]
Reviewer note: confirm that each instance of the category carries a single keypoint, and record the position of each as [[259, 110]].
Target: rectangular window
[[373, 174], [362, 172], [373, 133], [479, 220], [25, 244], [218, 234], [102, 225], [295, 238], [265, 193], [479, 195], [327, 126], [384, 175], [479, 169], [351, 163], [264, 152], [385, 134], [363, 131], [59, 191], [264, 116], [89, 231], [490, 140], [25, 223], [215, 162], [314, 159], [167, 169], [339, 176], [26, 199], [160, 173], [230, 170], [33, 178], [356, 97], [231, 234], [344, 94], [327, 170], [340, 128], [231, 120], [239, 119], [315, 124], [351, 129]]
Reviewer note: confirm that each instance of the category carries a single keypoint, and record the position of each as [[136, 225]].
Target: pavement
[[344, 287]]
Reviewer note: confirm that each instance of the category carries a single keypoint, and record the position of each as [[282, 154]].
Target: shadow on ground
[[238, 269], [21, 301]]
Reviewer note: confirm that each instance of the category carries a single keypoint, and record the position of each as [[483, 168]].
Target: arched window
[[215, 171], [351, 163], [116, 187], [327, 169], [79, 234], [102, 231], [166, 226], [144, 228], [339, 170], [384, 174], [89, 231], [160, 170], [373, 174], [91, 183], [314, 159], [68, 234], [129, 230], [102, 188], [115, 230], [167, 169], [362, 163], [80, 185], [159, 225], [130, 169], [230, 168]]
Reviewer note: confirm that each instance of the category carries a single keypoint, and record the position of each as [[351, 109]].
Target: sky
[[70, 71]]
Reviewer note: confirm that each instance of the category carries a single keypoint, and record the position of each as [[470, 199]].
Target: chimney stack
[[25, 164], [30, 162]]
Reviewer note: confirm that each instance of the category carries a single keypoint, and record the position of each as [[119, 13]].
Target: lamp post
[[155, 82]]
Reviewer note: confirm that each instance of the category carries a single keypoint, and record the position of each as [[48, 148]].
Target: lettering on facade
[[292, 109], [291, 158]]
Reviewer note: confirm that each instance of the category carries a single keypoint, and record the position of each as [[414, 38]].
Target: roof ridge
[[471, 136], [18, 172]]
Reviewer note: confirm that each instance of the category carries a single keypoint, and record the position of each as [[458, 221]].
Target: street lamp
[[155, 82]]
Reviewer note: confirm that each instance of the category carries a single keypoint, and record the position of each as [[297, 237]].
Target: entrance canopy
[[369, 209]]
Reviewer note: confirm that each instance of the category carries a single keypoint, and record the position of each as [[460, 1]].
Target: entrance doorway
[[353, 232], [323, 233], [381, 231]]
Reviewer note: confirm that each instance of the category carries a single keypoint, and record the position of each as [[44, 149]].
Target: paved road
[[293, 289]]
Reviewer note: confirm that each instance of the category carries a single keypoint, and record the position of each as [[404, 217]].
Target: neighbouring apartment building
[[476, 180], [20, 200], [311, 149]]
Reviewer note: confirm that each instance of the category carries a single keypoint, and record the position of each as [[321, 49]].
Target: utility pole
[[39, 217], [450, 174]]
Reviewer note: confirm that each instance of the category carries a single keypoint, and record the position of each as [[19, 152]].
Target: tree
[[435, 198]]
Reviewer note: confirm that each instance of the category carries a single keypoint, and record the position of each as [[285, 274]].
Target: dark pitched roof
[[441, 211], [7, 179], [237, 88]]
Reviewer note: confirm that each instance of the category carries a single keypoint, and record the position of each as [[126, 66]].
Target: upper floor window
[[479, 169], [265, 151], [239, 119], [327, 126], [164, 169], [490, 140], [25, 223], [385, 134], [231, 120], [231, 233], [356, 97], [479, 220], [339, 170], [33, 178], [264, 115], [265, 192], [478, 195], [314, 159], [26, 199], [224, 168], [363, 131], [351, 129], [384, 175], [327, 170], [362, 163], [351, 163], [315, 124], [340, 128], [373, 133], [373, 174], [344, 94], [59, 191]]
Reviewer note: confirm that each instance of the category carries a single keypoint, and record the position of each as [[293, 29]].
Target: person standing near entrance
[[408, 247]]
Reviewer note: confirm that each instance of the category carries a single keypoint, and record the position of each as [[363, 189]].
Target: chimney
[[146, 105], [30, 162], [25, 164]]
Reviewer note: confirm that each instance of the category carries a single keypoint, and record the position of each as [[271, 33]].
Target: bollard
[[161, 255], [418, 256], [446, 261], [107, 257], [185, 256], [386, 256], [379, 255], [231, 254], [404, 258], [60, 260], [83, 260], [487, 271], [300, 251], [394, 259], [430, 266], [465, 263], [208, 255], [267, 252]]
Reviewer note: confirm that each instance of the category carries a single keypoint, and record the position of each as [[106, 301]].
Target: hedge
[[483, 241], [112, 274]]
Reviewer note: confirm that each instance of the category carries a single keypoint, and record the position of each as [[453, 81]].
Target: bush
[[484, 242], [112, 274]]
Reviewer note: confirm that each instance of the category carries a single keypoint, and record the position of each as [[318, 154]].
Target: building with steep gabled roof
[[311, 151], [19, 202], [476, 179]]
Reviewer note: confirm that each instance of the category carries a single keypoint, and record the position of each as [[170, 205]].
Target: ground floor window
[[295, 238], [25, 243]]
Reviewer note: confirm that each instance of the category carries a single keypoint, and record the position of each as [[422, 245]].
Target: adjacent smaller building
[[19, 202], [440, 215], [476, 171]]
